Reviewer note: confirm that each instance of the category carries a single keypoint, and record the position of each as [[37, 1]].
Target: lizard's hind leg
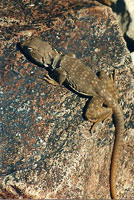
[[110, 83], [108, 2], [96, 112]]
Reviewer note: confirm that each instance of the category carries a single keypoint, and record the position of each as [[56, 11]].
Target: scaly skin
[[118, 115], [83, 80], [119, 123]]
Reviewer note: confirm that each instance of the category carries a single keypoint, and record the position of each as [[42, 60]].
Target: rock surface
[[130, 8], [47, 150]]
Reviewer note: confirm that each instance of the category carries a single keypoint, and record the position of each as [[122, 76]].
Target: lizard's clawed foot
[[49, 80]]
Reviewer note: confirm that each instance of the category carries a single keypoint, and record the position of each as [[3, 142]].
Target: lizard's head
[[39, 51]]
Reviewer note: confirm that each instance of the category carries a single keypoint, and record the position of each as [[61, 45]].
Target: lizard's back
[[79, 76]]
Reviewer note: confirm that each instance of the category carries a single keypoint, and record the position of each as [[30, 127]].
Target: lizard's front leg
[[50, 80], [96, 112], [60, 75]]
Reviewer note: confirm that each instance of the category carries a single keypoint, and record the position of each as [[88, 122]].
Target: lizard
[[68, 68]]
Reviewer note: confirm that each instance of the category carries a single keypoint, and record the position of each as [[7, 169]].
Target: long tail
[[119, 120]]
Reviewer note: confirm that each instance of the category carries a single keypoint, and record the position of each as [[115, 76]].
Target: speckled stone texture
[[46, 148]]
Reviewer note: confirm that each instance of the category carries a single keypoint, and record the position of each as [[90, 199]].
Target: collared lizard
[[83, 80]]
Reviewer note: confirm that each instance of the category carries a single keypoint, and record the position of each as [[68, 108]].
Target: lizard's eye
[[29, 49]]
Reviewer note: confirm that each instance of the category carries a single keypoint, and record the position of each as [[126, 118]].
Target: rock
[[130, 8], [125, 16], [47, 149]]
